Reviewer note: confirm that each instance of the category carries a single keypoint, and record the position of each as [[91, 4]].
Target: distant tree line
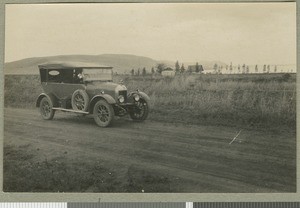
[[243, 69], [160, 67], [217, 69], [141, 72], [179, 68]]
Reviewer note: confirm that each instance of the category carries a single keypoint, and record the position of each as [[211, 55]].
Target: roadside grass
[[248, 100], [24, 172], [21, 91], [267, 100]]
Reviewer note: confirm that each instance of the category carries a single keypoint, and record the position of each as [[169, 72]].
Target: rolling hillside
[[120, 62]]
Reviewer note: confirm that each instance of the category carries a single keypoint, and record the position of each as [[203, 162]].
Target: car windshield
[[97, 74]]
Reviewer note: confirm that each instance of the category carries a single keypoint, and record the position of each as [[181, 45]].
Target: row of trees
[[243, 69], [160, 67], [142, 72], [180, 69]]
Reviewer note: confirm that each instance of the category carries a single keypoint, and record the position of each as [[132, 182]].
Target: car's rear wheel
[[140, 110], [80, 100], [103, 113], [46, 109]]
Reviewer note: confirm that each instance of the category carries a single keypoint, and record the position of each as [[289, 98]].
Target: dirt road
[[185, 158]]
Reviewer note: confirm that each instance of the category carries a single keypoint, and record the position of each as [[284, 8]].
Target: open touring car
[[88, 89]]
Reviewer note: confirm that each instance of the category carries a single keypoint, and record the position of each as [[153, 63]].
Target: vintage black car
[[88, 89]]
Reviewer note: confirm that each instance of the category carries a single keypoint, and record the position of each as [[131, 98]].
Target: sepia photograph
[[150, 98]]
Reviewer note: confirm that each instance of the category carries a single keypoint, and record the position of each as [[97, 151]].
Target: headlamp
[[136, 97], [121, 99]]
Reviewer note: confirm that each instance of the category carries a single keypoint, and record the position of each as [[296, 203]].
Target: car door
[[62, 83]]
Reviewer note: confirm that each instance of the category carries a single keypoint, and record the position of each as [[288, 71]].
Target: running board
[[69, 110]]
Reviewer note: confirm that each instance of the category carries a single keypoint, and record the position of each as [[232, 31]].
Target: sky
[[251, 33]]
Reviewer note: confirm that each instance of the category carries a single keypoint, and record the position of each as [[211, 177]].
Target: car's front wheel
[[140, 110], [46, 109], [103, 113]]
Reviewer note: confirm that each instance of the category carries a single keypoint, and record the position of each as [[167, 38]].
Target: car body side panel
[[61, 90]]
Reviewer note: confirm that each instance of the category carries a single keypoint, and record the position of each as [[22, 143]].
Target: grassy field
[[261, 100]]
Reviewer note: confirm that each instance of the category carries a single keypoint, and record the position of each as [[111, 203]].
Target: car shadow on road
[[123, 122]]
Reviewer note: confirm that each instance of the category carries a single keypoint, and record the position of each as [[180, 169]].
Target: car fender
[[106, 97], [49, 96], [144, 95], [141, 94]]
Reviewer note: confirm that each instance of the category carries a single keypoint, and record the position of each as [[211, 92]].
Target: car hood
[[95, 88]]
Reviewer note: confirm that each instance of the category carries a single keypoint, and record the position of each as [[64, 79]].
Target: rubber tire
[[49, 115], [85, 98], [144, 116], [110, 110]]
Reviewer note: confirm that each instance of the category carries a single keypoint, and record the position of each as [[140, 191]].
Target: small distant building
[[209, 71], [168, 72], [192, 68]]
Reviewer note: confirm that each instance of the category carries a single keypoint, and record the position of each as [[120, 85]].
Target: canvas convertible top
[[72, 65]]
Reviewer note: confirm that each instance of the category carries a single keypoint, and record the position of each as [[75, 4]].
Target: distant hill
[[121, 63]]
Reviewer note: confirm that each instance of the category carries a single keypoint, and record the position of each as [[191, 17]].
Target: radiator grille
[[124, 93]]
